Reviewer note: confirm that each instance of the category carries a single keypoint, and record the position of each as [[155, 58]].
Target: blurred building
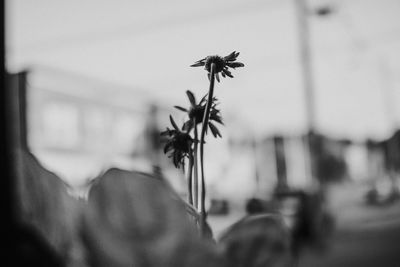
[[78, 127], [283, 163]]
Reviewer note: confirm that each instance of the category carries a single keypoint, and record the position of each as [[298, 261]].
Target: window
[[60, 125]]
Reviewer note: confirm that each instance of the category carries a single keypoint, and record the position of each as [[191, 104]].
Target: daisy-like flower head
[[196, 111], [222, 64], [178, 144]]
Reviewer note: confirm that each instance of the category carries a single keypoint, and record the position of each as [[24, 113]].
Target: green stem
[[189, 178], [196, 169], [202, 137]]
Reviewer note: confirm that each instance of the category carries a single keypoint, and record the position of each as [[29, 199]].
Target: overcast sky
[[150, 44]]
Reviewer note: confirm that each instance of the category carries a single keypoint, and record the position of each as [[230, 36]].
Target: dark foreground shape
[[31, 249], [46, 215], [257, 240], [132, 219]]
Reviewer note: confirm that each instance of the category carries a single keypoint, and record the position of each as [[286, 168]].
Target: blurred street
[[364, 235], [376, 245]]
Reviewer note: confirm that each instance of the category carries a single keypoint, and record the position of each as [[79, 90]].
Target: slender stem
[[189, 178], [196, 169], [202, 136]]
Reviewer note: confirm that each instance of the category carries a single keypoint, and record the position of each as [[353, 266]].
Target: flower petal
[[217, 77], [228, 73], [203, 99], [235, 64], [176, 159], [192, 98], [214, 130], [173, 123], [187, 126], [217, 119], [199, 63], [166, 132], [231, 57], [168, 147], [181, 108]]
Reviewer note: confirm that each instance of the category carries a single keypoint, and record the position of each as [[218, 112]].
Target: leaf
[[173, 123], [214, 130], [181, 108], [191, 97], [264, 234]]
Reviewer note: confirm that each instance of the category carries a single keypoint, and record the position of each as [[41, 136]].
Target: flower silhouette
[[178, 144], [222, 64], [196, 113]]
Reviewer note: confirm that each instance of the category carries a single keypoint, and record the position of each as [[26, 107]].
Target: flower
[[196, 113], [178, 144], [222, 64]]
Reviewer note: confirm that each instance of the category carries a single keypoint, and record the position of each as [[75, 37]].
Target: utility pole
[[303, 13], [393, 145], [308, 83], [306, 61]]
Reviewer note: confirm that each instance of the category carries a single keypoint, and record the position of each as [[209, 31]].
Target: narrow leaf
[[228, 73], [173, 123], [176, 159], [203, 99], [167, 147], [191, 97], [217, 119], [232, 56], [166, 132], [199, 63], [181, 108], [187, 126], [235, 64], [214, 130]]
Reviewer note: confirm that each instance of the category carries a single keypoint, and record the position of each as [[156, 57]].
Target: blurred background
[[314, 108]]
